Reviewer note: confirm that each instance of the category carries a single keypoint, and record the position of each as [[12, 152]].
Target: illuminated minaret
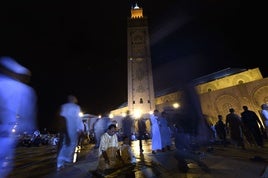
[[140, 79]]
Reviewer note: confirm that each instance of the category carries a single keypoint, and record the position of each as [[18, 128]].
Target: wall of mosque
[[230, 81], [252, 94], [245, 88], [216, 97]]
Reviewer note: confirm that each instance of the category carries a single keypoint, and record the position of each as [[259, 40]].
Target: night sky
[[79, 47]]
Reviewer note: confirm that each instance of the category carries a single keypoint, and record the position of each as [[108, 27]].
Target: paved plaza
[[223, 162]]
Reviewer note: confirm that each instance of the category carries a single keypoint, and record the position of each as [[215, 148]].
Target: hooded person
[[17, 109]]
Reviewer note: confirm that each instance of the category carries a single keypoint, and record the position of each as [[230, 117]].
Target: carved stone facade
[[252, 92], [229, 81], [218, 96]]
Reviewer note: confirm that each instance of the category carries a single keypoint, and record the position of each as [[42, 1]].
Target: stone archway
[[224, 102]]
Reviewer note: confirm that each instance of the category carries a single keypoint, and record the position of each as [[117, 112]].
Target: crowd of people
[[18, 113], [243, 129]]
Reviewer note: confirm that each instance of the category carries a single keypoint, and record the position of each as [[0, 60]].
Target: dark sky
[[79, 47]]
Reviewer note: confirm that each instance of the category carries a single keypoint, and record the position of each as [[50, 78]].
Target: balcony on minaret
[[136, 12]]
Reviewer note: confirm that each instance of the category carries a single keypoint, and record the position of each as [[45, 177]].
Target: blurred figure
[[84, 136], [165, 132], [17, 109], [142, 132], [234, 125], [100, 127], [91, 129], [155, 132], [221, 130], [251, 121], [74, 126], [264, 113], [184, 150], [36, 139], [128, 126]]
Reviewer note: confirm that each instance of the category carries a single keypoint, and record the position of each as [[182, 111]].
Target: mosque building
[[217, 92]]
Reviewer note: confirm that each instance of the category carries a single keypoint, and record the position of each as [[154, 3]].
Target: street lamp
[[176, 105]]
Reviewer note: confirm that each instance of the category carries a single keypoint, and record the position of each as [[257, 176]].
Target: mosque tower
[[141, 98]]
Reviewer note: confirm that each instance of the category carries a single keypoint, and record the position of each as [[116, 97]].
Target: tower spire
[[136, 6], [140, 79], [136, 11]]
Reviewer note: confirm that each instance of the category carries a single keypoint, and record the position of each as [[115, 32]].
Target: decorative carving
[[260, 96], [225, 102], [240, 79]]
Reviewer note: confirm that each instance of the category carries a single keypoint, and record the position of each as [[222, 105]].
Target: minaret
[[141, 97]]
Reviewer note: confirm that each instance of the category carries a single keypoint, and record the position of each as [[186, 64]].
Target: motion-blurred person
[[165, 132], [142, 132], [100, 127], [221, 130], [234, 126], [184, 150], [128, 126], [264, 113], [74, 126], [155, 132], [251, 121], [17, 109], [84, 136], [91, 129]]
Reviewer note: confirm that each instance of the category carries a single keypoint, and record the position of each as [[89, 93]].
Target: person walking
[[221, 130], [165, 132], [155, 132], [141, 132], [74, 127], [128, 126], [18, 108], [251, 121], [234, 126]]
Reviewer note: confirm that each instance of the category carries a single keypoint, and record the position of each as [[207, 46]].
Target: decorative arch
[[260, 96], [224, 102]]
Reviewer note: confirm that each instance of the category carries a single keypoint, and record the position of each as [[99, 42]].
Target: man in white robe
[[165, 132], [155, 132], [109, 150], [74, 126]]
